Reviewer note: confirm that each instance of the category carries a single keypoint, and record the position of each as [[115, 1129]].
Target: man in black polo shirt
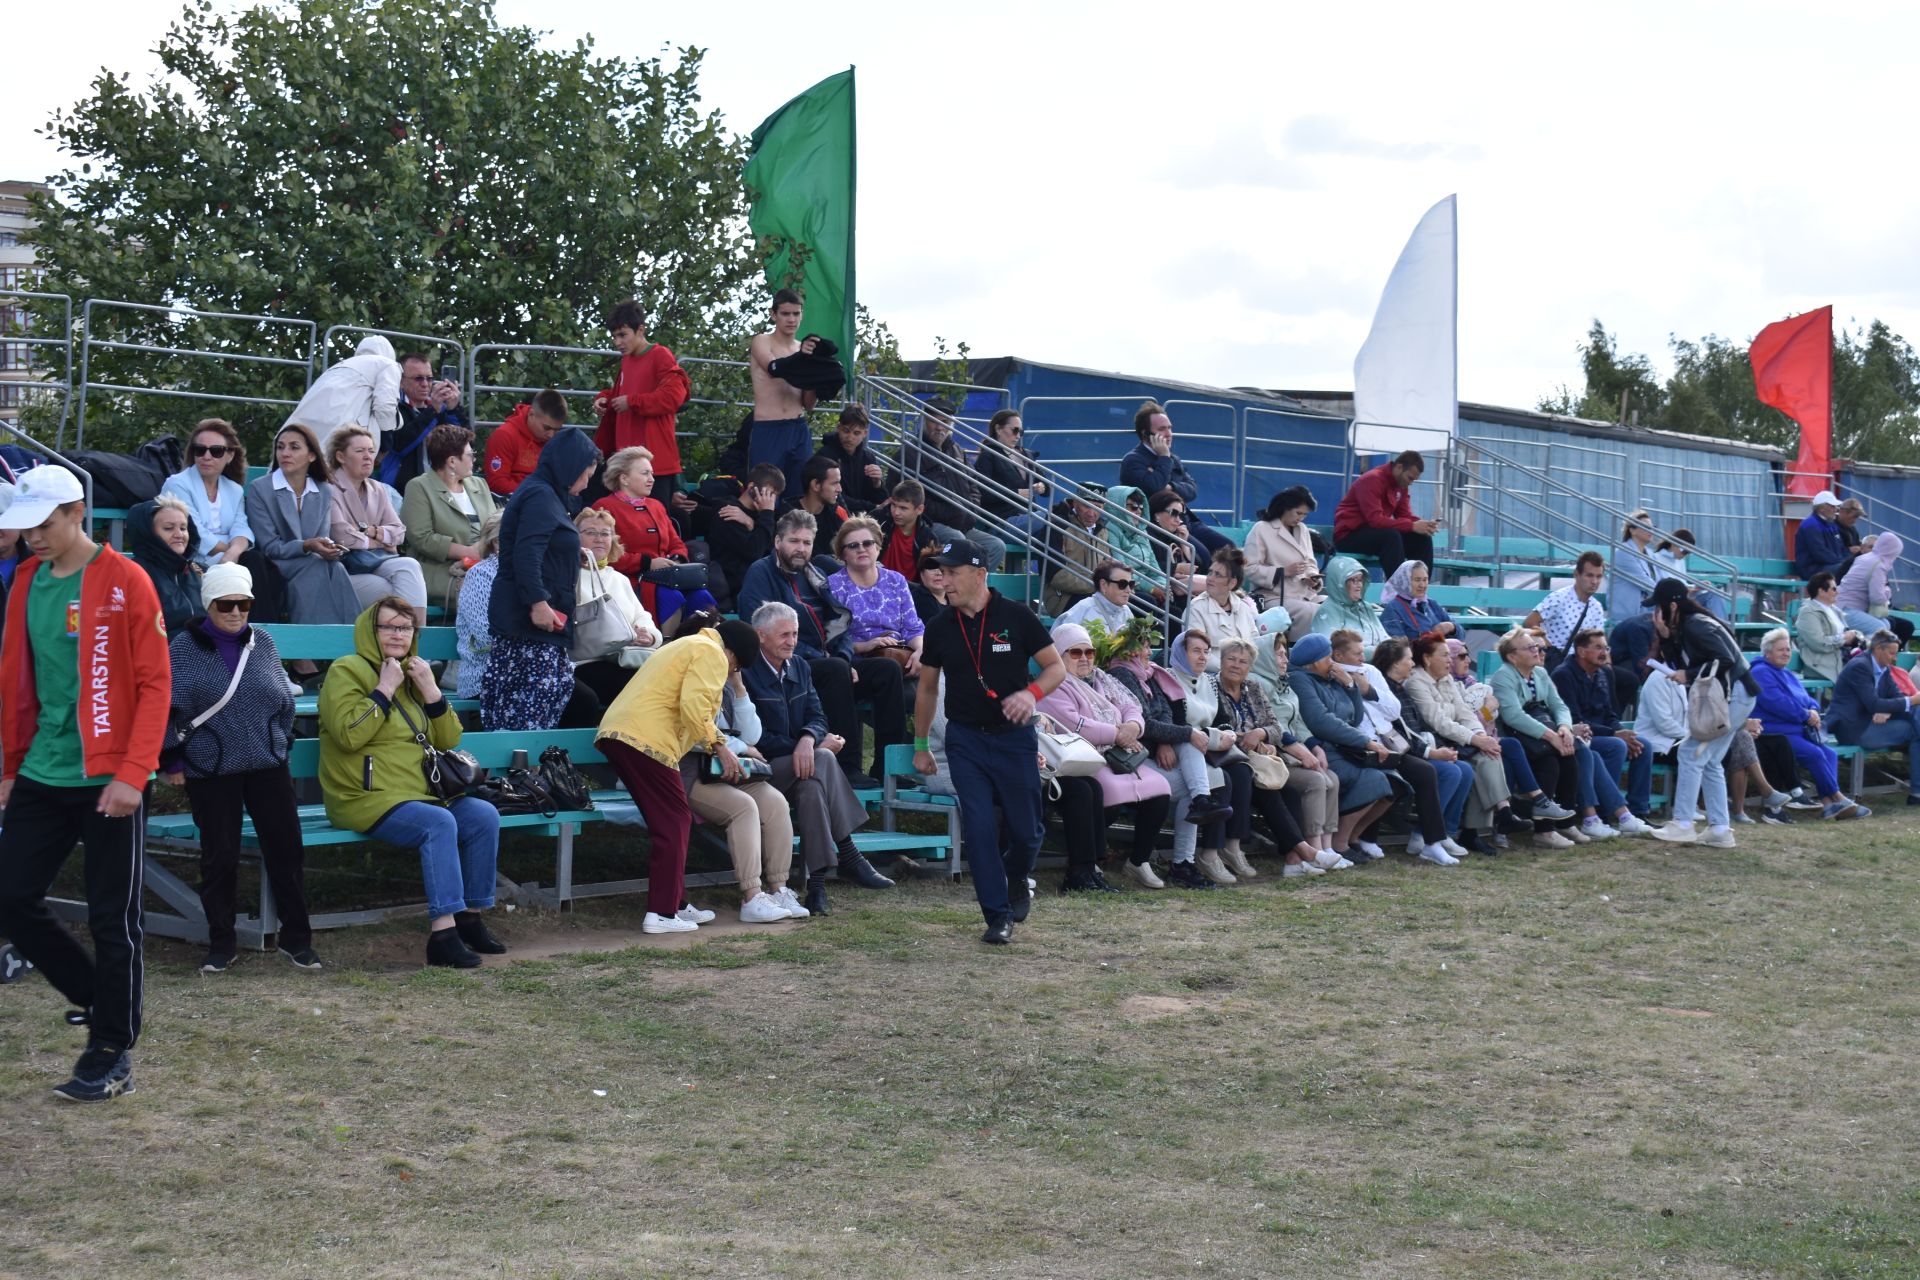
[[983, 642]]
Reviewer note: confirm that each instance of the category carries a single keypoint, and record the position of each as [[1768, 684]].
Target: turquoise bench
[[896, 799], [323, 643]]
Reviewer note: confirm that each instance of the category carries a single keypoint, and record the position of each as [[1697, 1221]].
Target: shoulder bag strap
[[419, 735], [239, 670]]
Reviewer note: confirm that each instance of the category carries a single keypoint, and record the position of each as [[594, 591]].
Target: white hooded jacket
[[363, 389]]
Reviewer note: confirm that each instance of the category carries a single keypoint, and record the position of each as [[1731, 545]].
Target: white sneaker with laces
[[1294, 870], [1718, 838], [1455, 848], [1551, 840], [1373, 851], [1676, 833], [1632, 826], [1594, 829], [1438, 857], [785, 898], [1328, 860], [762, 909], [667, 924], [694, 915], [1214, 870]]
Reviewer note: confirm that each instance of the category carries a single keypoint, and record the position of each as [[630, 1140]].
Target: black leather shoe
[[856, 868], [1512, 824], [815, 900], [446, 951], [998, 935], [473, 931], [1098, 882]]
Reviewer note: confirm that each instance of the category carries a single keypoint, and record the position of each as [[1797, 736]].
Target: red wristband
[[1034, 689]]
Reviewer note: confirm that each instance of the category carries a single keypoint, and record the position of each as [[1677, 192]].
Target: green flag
[[800, 180]]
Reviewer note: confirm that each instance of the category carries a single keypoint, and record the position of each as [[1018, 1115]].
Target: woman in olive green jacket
[[374, 702], [443, 511]]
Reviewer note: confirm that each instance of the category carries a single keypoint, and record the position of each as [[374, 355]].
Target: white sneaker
[[1438, 857], [1574, 835], [784, 898], [1632, 826], [1237, 863], [667, 924], [1294, 870], [1142, 873], [1416, 844], [694, 915], [1328, 860], [1341, 865], [1551, 840], [1594, 829], [1455, 848], [762, 908], [1676, 833], [1033, 886], [1373, 851], [1718, 838], [1211, 867]]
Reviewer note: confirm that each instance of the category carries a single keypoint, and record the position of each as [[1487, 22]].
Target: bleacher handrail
[[64, 343]]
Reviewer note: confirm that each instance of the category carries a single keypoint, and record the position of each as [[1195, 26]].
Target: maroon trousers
[[662, 798]]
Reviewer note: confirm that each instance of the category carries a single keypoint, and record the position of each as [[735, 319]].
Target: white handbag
[[599, 629], [1068, 754]]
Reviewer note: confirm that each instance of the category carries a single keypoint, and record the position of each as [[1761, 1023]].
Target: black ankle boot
[[855, 867], [816, 900], [473, 931], [446, 951]]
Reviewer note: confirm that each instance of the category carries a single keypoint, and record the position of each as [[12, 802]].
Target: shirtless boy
[[780, 434]]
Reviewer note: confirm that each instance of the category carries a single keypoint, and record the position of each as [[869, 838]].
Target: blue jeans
[[996, 770], [459, 850], [1701, 779], [1455, 778], [787, 444], [1608, 756], [1513, 758], [1898, 734]]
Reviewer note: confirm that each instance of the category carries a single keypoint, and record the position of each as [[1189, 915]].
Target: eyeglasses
[[1079, 653], [208, 450], [242, 605], [1125, 584], [865, 544], [394, 628]]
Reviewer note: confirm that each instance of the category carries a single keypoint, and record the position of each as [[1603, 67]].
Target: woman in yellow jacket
[[667, 710]]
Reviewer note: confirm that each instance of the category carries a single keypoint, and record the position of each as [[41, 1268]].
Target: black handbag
[[683, 578], [566, 785], [520, 791], [1124, 759], [449, 774]]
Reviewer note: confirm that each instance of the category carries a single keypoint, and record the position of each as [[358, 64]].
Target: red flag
[[1793, 372]]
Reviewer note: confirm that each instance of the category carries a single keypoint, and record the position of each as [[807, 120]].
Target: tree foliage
[[1876, 392], [411, 166]]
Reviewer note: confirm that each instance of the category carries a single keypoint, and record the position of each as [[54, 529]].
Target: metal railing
[[476, 388], [188, 315], [63, 343], [1227, 480], [54, 455], [433, 340]]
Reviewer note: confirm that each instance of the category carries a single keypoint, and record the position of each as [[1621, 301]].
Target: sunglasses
[[242, 605], [1077, 653], [1176, 512], [208, 450], [865, 544], [1125, 584]]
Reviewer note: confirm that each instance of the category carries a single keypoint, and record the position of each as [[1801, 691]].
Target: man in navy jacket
[[1153, 468], [1819, 546], [804, 757], [1870, 711], [790, 577]]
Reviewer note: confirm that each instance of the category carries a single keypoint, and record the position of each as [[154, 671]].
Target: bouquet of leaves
[[1138, 634]]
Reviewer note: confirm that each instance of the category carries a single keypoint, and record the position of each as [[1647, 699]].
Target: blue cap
[[1309, 649]]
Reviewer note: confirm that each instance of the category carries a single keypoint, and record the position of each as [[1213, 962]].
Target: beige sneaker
[[1237, 863], [1551, 840], [1209, 864], [1143, 875]]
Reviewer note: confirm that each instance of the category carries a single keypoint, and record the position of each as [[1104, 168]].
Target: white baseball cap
[[38, 493]]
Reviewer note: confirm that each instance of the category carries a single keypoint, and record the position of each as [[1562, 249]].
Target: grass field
[[1622, 1061]]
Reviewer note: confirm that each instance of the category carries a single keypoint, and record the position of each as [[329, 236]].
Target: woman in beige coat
[[1281, 568]]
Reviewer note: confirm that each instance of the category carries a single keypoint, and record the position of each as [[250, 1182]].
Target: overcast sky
[[1217, 192]]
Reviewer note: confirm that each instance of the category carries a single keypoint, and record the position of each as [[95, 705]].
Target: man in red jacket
[[513, 450], [640, 407], [84, 691], [1375, 518]]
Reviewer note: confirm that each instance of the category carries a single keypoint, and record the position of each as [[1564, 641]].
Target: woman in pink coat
[[1094, 705]]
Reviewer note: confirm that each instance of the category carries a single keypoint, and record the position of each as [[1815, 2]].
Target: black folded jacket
[[819, 372]]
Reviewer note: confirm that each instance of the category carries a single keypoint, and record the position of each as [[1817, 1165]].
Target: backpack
[[1707, 714]]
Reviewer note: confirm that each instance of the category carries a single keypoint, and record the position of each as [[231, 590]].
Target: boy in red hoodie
[[640, 407], [84, 691]]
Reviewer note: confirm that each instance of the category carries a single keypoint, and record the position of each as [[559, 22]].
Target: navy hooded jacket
[[539, 547]]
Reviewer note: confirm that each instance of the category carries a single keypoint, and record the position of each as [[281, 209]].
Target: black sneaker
[[1512, 824], [302, 957], [445, 950], [1778, 817], [998, 935], [1187, 876], [103, 1073], [1019, 900], [217, 962]]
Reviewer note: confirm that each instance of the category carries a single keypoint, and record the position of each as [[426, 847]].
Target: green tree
[[413, 166], [1612, 381]]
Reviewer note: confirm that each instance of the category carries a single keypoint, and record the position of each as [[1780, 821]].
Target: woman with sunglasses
[[1114, 586], [1016, 492], [235, 761], [214, 488], [879, 601]]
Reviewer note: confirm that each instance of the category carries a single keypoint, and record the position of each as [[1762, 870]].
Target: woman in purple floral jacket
[[877, 600]]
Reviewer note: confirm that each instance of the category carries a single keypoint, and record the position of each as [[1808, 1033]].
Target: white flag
[[1406, 377]]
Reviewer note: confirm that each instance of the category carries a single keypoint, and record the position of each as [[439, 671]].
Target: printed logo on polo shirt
[[1002, 641]]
